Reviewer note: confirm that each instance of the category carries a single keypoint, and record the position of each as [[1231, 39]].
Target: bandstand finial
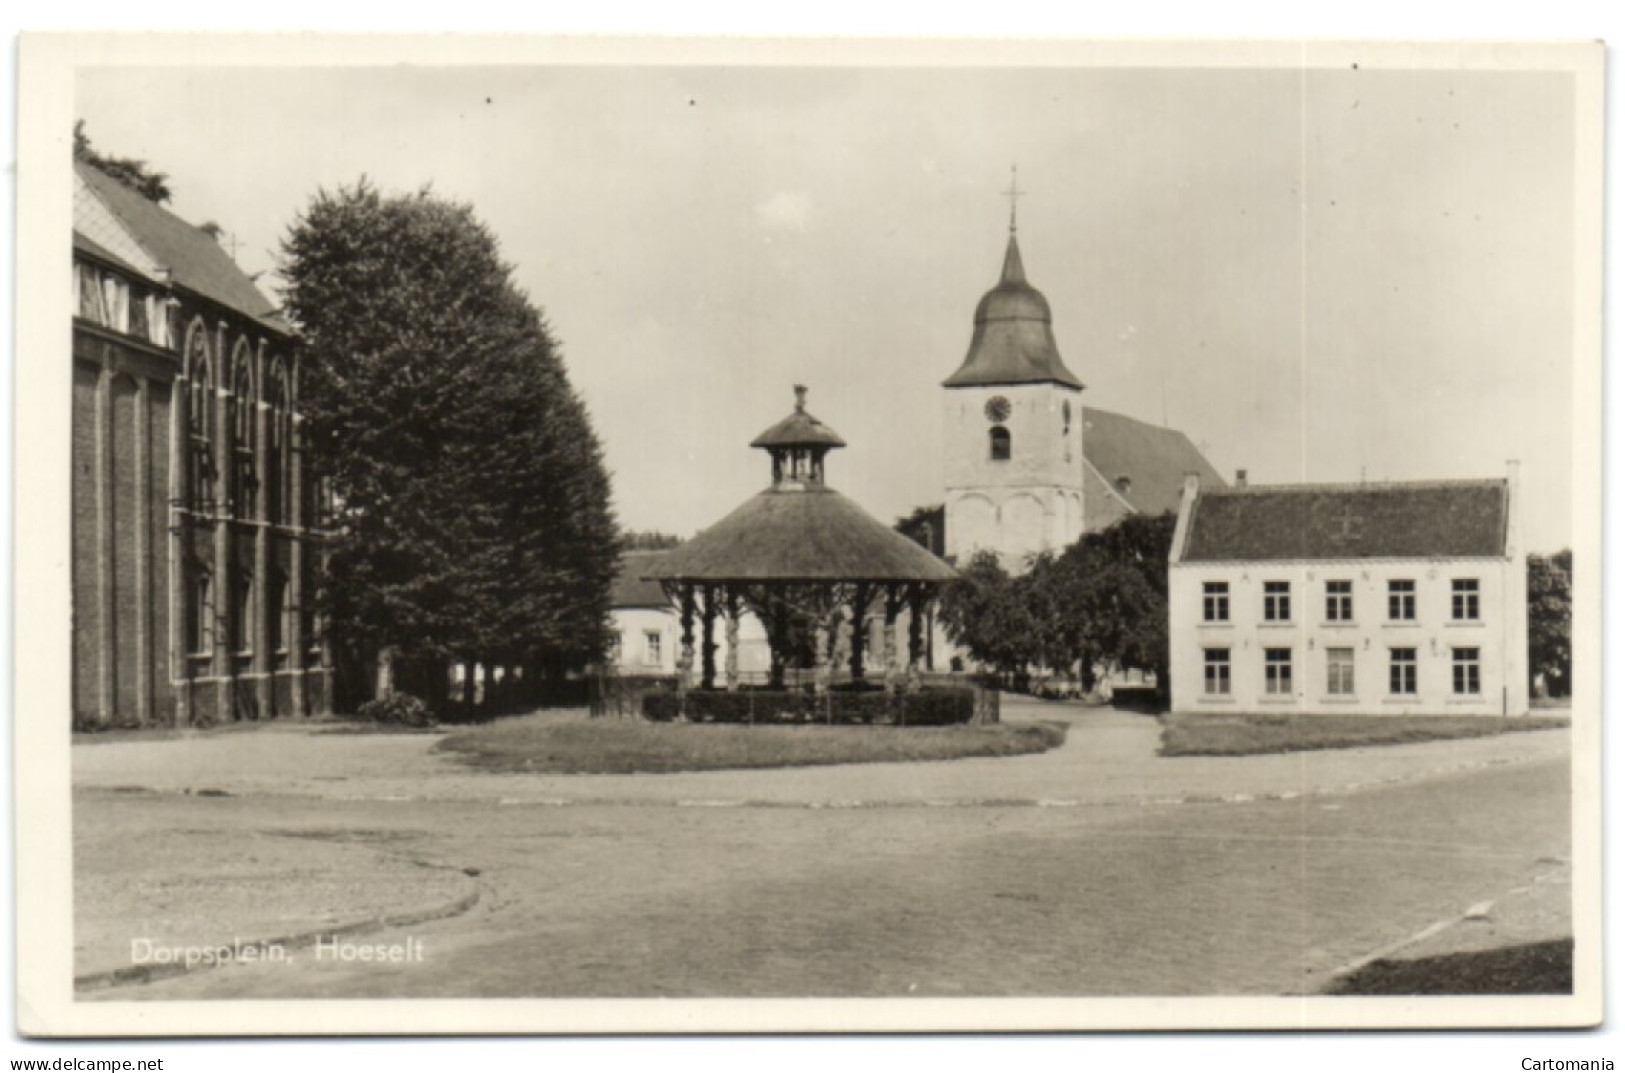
[[801, 398]]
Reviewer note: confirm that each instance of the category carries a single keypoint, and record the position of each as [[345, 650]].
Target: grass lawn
[[1252, 734], [1530, 969], [628, 746]]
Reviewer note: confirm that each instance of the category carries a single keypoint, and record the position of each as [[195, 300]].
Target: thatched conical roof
[[799, 533]]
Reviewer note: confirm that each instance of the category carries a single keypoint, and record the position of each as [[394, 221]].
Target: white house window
[[651, 647], [1216, 672], [616, 639], [1464, 599], [1339, 601], [1340, 672], [1402, 671], [1464, 677], [1401, 600], [1215, 601], [1277, 601], [1278, 671]]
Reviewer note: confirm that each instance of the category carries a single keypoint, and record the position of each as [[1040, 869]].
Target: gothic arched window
[[198, 436], [998, 443], [200, 613], [241, 638], [277, 454], [244, 477]]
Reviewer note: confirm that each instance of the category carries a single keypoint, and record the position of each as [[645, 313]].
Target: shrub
[[397, 709], [660, 707], [932, 706], [939, 706]]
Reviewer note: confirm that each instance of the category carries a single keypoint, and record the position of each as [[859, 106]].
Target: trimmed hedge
[[931, 706], [399, 709]]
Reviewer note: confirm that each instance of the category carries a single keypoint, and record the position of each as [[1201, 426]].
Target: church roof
[[810, 533], [1153, 459], [1013, 342], [1416, 520], [193, 258]]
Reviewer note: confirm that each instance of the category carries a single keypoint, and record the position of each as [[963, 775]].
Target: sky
[[1322, 275]]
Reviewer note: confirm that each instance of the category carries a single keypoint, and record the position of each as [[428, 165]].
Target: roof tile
[[1423, 520]]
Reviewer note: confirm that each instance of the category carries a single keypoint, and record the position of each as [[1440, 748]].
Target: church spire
[[1013, 193], [1012, 341], [1013, 272]]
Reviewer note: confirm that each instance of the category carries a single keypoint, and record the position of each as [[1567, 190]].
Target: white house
[[646, 634], [1399, 599]]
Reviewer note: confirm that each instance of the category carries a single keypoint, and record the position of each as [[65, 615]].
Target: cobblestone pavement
[[1266, 897], [1109, 757]]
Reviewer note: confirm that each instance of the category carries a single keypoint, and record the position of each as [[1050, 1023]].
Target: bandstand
[[809, 563]]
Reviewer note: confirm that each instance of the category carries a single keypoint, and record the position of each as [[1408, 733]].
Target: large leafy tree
[[924, 526], [1102, 603], [473, 507], [1106, 599], [1551, 582], [649, 540], [987, 611]]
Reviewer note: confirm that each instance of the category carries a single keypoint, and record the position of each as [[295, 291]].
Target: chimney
[[1241, 478]]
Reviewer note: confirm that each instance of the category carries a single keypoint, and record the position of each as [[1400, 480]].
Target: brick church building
[[194, 531]]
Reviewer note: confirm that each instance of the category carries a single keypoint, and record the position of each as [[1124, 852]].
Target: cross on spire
[[1013, 193], [229, 240]]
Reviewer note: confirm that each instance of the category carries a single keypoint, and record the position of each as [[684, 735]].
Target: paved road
[[1109, 757], [1267, 898]]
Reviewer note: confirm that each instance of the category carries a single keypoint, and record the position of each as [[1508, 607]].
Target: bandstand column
[[821, 667], [778, 641], [837, 642], [730, 607], [708, 645], [916, 612], [894, 604], [862, 596], [685, 653]]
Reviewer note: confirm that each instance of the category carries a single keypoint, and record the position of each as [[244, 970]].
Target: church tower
[[1012, 429]]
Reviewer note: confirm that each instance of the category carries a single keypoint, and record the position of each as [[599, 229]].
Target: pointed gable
[[157, 241]]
